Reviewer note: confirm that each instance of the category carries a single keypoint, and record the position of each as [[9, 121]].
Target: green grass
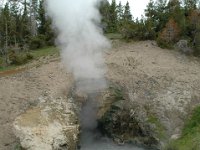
[[45, 52], [7, 68], [114, 36], [190, 138], [38, 53]]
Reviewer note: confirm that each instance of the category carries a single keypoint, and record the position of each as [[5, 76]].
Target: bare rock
[[183, 47], [52, 125]]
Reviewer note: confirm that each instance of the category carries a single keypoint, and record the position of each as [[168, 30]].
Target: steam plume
[[81, 40]]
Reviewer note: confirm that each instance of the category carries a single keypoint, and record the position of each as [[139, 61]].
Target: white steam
[[81, 40]]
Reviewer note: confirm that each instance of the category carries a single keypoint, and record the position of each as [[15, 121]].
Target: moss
[[18, 147], [190, 138], [159, 128]]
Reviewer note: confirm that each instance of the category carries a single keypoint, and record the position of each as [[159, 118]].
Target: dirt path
[[152, 75]]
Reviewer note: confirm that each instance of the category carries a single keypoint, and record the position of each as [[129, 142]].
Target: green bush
[[164, 44], [1, 61], [37, 42], [197, 45], [19, 59]]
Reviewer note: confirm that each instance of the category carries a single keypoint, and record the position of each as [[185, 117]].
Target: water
[[89, 141], [91, 138]]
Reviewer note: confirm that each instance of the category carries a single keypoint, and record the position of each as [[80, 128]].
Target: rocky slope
[[152, 91], [160, 86]]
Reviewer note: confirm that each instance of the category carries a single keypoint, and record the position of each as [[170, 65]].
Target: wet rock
[[52, 125], [129, 124]]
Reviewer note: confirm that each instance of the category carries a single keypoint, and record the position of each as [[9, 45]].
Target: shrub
[[37, 42], [169, 35], [164, 44], [197, 45], [19, 59]]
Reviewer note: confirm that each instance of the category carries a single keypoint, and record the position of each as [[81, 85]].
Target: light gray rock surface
[[52, 125]]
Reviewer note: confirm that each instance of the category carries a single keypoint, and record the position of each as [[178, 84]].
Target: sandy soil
[[134, 65]]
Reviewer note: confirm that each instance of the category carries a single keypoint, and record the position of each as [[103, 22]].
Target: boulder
[[183, 47], [52, 125]]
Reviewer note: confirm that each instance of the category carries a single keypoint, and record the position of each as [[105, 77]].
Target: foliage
[[169, 35], [190, 138], [19, 59], [197, 44], [114, 36], [24, 22], [42, 52], [117, 93], [36, 42]]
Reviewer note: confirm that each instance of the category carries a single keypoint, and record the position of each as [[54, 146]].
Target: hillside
[[161, 82]]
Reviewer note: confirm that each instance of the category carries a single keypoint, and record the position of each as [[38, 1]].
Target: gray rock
[[49, 126], [182, 45]]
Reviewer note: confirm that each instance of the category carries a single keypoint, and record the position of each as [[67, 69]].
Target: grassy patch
[[2, 68], [113, 36], [36, 54], [190, 138], [45, 52]]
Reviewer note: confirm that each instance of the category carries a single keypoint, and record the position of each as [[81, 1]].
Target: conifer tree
[[113, 17], [127, 13]]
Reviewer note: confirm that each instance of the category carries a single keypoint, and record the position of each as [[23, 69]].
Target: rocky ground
[[161, 86], [21, 91], [162, 83]]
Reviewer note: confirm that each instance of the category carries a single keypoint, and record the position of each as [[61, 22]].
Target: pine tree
[[150, 22], [5, 29], [25, 32], [150, 10], [113, 17], [33, 16], [127, 13], [193, 25], [175, 11], [160, 14], [104, 10], [120, 11], [45, 31], [171, 32]]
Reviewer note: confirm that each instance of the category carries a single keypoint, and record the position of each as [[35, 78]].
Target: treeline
[[24, 24], [167, 22]]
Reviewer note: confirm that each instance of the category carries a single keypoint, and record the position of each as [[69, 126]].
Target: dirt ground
[[22, 90], [127, 63]]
